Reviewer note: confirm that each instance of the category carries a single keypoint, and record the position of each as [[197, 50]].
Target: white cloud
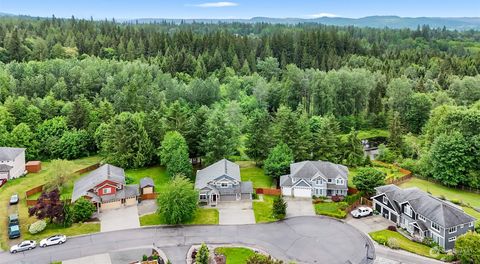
[[217, 4], [322, 15]]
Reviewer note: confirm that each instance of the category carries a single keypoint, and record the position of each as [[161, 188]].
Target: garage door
[[287, 191], [111, 205], [393, 218], [298, 192], [131, 201]]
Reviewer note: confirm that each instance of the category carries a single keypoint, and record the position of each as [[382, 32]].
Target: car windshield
[[14, 228]]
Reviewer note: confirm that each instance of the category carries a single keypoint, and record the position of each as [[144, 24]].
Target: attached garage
[[302, 192], [131, 201], [287, 191], [111, 205]]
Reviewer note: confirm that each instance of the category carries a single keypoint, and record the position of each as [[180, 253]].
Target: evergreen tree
[[395, 141], [258, 131], [278, 161], [220, 139], [353, 150], [174, 155]]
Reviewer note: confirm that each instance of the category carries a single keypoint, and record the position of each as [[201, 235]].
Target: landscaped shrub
[[382, 240], [144, 257], [449, 257], [203, 255], [337, 198], [129, 180], [82, 210], [254, 196], [353, 198], [393, 243], [342, 205], [279, 209], [457, 202], [37, 227], [392, 228]]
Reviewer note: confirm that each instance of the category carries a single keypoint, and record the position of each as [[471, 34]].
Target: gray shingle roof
[[7, 153], [307, 169], [285, 181], [128, 191], [144, 182], [220, 168], [103, 173], [246, 187], [442, 212]]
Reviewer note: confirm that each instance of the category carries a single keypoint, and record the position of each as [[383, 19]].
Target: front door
[[214, 198]]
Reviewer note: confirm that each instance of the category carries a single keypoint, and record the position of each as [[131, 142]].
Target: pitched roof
[[7, 153], [5, 168], [285, 181], [144, 182], [442, 212], [103, 173], [218, 169], [326, 169]]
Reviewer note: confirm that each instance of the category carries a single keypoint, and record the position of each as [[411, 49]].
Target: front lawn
[[235, 255], [263, 209], [331, 209], [405, 243], [74, 230], [157, 173], [249, 172], [21, 185], [202, 217]]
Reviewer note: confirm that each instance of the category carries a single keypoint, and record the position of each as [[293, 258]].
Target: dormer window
[[408, 210], [330, 180], [340, 182], [224, 185]]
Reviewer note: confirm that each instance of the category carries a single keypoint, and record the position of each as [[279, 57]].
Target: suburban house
[[146, 185], [423, 215], [12, 162], [221, 182], [315, 178], [106, 188]]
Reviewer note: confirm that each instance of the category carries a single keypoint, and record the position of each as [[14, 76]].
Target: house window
[[462, 226], [420, 217], [451, 239], [385, 200], [107, 190], [224, 185], [471, 224], [203, 196], [330, 180], [452, 230], [408, 210], [435, 226], [340, 182]]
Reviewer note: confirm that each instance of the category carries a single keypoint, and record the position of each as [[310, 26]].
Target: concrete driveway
[[369, 224], [236, 213], [119, 219], [299, 207]]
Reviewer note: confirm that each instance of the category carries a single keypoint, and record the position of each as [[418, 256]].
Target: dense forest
[[71, 88]]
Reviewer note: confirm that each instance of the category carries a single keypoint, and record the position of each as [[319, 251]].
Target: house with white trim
[[12, 162], [423, 215], [315, 178]]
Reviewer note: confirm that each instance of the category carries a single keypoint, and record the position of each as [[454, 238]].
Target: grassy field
[[331, 209], [23, 184], [235, 255], [263, 209], [366, 134], [250, 172], [157, 173], [202, 217], [405, 243], [75, 229]]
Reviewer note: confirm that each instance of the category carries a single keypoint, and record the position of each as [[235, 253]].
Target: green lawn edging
[[204, 216], [235, 255]]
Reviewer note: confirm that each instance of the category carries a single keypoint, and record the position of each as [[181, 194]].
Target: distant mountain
[[454, 23]]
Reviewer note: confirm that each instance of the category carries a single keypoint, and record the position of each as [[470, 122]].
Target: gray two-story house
[[315, 178], [221, 182], [423, 215]]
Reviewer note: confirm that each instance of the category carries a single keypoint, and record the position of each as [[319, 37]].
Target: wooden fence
[[148, 196], [268, 191], [362, 201]]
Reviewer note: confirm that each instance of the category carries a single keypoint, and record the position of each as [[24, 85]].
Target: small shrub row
[[37, 227]]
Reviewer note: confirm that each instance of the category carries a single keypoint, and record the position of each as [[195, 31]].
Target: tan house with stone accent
[[106, 188]]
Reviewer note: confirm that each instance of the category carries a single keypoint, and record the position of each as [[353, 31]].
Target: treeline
[[199, 49]]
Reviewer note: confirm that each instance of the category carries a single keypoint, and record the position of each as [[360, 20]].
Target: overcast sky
[[100, 9]]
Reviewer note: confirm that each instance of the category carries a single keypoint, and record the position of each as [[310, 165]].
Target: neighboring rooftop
[[439, 211], [326, 169], [222, 167], [103, 173], [7, 153], [147, 181]]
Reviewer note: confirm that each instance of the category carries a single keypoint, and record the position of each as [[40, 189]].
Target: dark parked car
[[14, 199], [13, 220], [14, 232]]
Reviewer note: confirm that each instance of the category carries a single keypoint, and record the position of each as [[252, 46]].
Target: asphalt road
[[309, 239]]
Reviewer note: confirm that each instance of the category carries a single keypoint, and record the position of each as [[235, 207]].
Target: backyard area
[[250, 172], [32, 180], [404, 243], [235, 255], [202, 217], [157, 173], [263, 209], [391, 171]]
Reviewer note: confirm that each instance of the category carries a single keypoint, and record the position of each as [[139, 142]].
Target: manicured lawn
[[235, 255], [75, 229], [405, 243], [23, 184], [250, 172], [202, 217], [331, 209], [157, 173], [263, 209]]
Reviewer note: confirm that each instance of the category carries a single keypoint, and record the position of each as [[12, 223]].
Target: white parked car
[[361, 212], [53, 240], [23, 246]]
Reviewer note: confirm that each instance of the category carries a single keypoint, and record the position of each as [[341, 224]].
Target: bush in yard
[[178, 203], [467, 249], [203, 255], [37, 227], [382, 240], [337, 198], [392, 228], [342, 205], [262, 259], [393, 243], [367, 179], [82, 210], [279, 209]]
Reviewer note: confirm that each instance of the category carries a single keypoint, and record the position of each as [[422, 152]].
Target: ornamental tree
[[177, 204]]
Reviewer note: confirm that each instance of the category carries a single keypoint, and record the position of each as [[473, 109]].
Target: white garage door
[[302, 192], [287, 191]]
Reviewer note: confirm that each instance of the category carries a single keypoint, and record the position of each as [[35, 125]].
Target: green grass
[[23, 184], [235, 255], [75, 229], [202, 217], [157, 173], [405, 243], [392, 173], [366, 134], [331, 209], [250, 172], [263, 209]]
